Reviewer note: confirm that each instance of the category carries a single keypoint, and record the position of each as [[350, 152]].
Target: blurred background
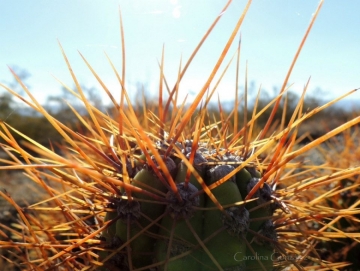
[[271, 34]]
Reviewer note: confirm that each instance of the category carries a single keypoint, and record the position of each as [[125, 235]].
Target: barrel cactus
[[171, 187], [197, 228]]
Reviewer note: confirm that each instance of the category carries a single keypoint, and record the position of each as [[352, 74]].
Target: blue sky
[[271, 33]]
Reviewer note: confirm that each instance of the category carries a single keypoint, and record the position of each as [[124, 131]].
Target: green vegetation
[[35, 126]]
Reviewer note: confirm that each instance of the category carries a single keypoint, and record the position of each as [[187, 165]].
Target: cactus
[[190, 216], [166, 188]]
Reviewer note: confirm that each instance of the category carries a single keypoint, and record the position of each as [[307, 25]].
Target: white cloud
[[176, 13]]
